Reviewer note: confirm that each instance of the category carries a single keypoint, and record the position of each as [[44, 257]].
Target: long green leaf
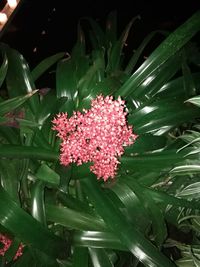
[[173, 43], [152, 161], [195, 100], [130, 237], [99, 257], [19, 80], [10, 104], [22, 225], [3, 68], [116, 49], [21, 152], [37, 202], [9, 177], [97, 240], [73, 219], [135, 211], [45, 65], [133, 60]]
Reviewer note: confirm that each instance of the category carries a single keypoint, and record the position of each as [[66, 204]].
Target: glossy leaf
[[49, 107], [26, 228], [146, 143], [46, 174], [18, 67], [78, 51], [73, 219], [190, 191], [161, 116], [97, 240], [135, 211], [152, 210], [45, 64], [174, 42], [14, 151], [130, 237], [195, 100], [99, 257], [159, 78], [9, 177], [134, 59], [116, 49], [185, 169], [3, 68], [66, 79], [13, 103], [163, 197], [37, 202], [151, 161]]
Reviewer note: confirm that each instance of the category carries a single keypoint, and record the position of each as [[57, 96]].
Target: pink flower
[[97, 135], [6, 241]]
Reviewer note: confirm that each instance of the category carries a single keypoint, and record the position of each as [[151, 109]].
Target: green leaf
[[80, 257], [189, 85], [134, 59], [49, 106], [97, 33], [99, 257], [194, 100], [78, 50], [191, 191], [21, 152], [11, 135], [37, 202], [162, 116], [155, 161], [154, 213], [11, 252], [3, 68], [33, 257], [65, 79], [27, 229], [116, 50], [18, 67], [158, 79], [168, 48], [164, 198], [96, 239], [46, 174], [13, 103], [146, 143], [45, 64], [185, 169], [9, 177], [73, 219], [135, 211], [130, 237]]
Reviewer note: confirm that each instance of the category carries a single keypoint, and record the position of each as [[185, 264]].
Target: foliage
[[148, 215]]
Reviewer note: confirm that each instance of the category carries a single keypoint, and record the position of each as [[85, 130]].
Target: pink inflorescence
[[6, 241], [97, 135]]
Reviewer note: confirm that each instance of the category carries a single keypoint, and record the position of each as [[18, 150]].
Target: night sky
[[41, 28]]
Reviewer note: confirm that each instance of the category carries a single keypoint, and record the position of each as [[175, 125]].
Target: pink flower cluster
[[97, 135], [6, 241]]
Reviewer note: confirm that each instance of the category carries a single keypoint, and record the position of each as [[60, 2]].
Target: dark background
[[41, 28]]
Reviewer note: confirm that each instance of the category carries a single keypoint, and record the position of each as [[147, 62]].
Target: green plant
[[62, 214]]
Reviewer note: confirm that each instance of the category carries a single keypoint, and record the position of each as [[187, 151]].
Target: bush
[[147, 214]]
